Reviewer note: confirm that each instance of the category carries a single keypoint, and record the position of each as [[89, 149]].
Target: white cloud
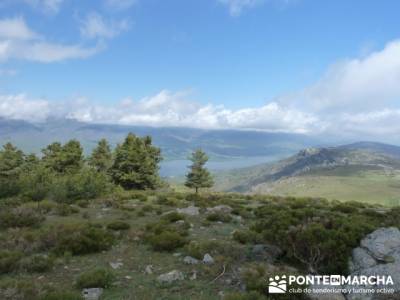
[[18, 107], [94, 26], [15, 28], [46, 6], [236, 7], [120, 4], [368, 83], [18, 41]]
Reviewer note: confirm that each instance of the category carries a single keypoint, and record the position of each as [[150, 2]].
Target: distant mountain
[[348, 159], [176, 143]]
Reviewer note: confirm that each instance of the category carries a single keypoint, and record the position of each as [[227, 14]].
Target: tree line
[[62, 171]]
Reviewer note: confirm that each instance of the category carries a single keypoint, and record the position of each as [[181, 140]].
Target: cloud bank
[[354, 98]]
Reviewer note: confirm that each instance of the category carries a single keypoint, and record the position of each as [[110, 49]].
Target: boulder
[[116, 265], [171, 277], [190, 260], [190, 210], [207, 259], [148, 269], [92, 293], [378, 254]]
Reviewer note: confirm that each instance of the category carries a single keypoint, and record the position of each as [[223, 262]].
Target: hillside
[[363, 171]]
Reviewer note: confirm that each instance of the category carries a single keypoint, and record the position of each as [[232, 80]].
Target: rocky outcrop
[[378, 254], [171, 277]]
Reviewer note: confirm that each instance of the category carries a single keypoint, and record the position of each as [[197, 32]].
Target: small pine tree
[[199, 176], [101, 158], [64, 158]]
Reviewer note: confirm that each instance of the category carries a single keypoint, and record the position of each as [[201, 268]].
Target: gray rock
[[148, 269], [171, 277], [382, 242], [225, 209], [92, 293], [378, 254], [190, 260], [190, 210], [116, 265], [207, 259]]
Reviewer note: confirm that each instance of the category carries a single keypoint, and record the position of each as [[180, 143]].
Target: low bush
[[80, 239], [118, 225], [167, 241], [64, 210], [253, 295], [172, 217], [97, 278], [9, 261], [246, 236], [36, 264], [62, 295], [20, 217], [219, 217]]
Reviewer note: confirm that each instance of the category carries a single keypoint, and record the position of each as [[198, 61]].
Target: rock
[[207, 259], [148, 269], [128, 277], [194, 275], [177, 254], [180, 222], [171, 277], [190, 210], [116, 265], [225, 209], [92, 293], [382, 242], [190, 260], [378, 254], [265, 252], [325, 296]]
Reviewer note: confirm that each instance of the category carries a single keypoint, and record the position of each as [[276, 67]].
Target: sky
[[300, 66]]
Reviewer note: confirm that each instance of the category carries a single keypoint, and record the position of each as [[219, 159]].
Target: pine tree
[[64, 158], [101, 158], [199, 176], [136, 163], [11, 162]]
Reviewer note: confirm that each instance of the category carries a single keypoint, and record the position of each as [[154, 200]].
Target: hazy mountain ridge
[[175, 142]]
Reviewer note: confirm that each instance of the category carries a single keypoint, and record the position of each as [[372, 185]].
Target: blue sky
[[221, 62]]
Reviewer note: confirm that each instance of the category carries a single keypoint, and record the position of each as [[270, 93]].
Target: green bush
[[172, 217], [219, 217], [64, 210], [20, 217], [246, 236], [167, 241], [118, 225], [98, 278], [9, 261], [62, 295], [36, 264], [81, 239]]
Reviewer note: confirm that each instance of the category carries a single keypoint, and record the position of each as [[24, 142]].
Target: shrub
[[219, 217], [167, 241], [20, 217], [36, 264], [172, 217], [246, 236], [62, 295], [81, 239], [9, 261], [98, 278], [197, 249], [253, 295], [118, 225], [64, 210], [82, 203]]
